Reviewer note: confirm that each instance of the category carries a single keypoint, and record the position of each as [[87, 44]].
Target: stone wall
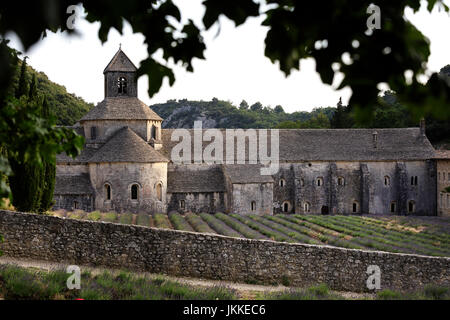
[[121, 176], [443, 181], [208, 256], [197, 202], [243, 194], [362, 184], [72, 202]]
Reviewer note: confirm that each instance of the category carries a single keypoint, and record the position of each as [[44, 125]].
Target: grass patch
[[126, 218], [389, 295], [319, 292], [21, 283], [77, 214], [109, 217], [436, 292]]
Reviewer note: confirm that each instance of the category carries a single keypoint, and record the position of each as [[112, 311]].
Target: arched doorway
[[325, 210]]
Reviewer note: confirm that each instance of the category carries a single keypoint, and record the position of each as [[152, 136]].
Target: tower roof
[[121, 108], [120, 62], [127, 146]]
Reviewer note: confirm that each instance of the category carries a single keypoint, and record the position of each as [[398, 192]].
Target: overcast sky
[[235, 67]]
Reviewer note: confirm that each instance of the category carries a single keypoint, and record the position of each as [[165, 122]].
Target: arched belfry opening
[[120, 77], [122, 85]]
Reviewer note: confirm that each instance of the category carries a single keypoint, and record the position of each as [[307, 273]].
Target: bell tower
[[120, 77]]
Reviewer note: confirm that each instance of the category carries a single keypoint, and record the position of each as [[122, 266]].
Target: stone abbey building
[[126, 166]]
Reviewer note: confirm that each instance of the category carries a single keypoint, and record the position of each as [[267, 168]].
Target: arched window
[[414, 180], [302, 182], [134, 192], [107, 188], [411, 206], [282, 182], [355, 207], [122, 85], [341, 181], [319, 181], [306, 207], [285, 206], [159, 191], [253, 206], [93, 133], [387, 181], [75, 204], [393, 207], [153, 132], [182, 204]]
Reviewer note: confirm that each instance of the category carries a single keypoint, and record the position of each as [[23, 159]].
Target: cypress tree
[[32, 91], [22, 86], [49, 171], [26, 180], [25, 184]]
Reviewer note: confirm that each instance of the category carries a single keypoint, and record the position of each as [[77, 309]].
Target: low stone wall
[[198, 255]]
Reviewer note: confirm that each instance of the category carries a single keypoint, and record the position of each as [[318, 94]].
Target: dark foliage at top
[[295, 31]]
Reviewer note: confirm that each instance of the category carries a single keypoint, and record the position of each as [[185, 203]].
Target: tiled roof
[[121, 108], [442, 154], [120, 62], [246, 173], [73, 184], [337, 144], [127, 146], [84, 156], [209, 179]]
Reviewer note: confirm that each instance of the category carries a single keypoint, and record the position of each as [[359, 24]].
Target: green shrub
[[436, 292], [320, 290], [110, 217], [161, 221], [389, 295], [77, 214], [94, 216], [285, 281]]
